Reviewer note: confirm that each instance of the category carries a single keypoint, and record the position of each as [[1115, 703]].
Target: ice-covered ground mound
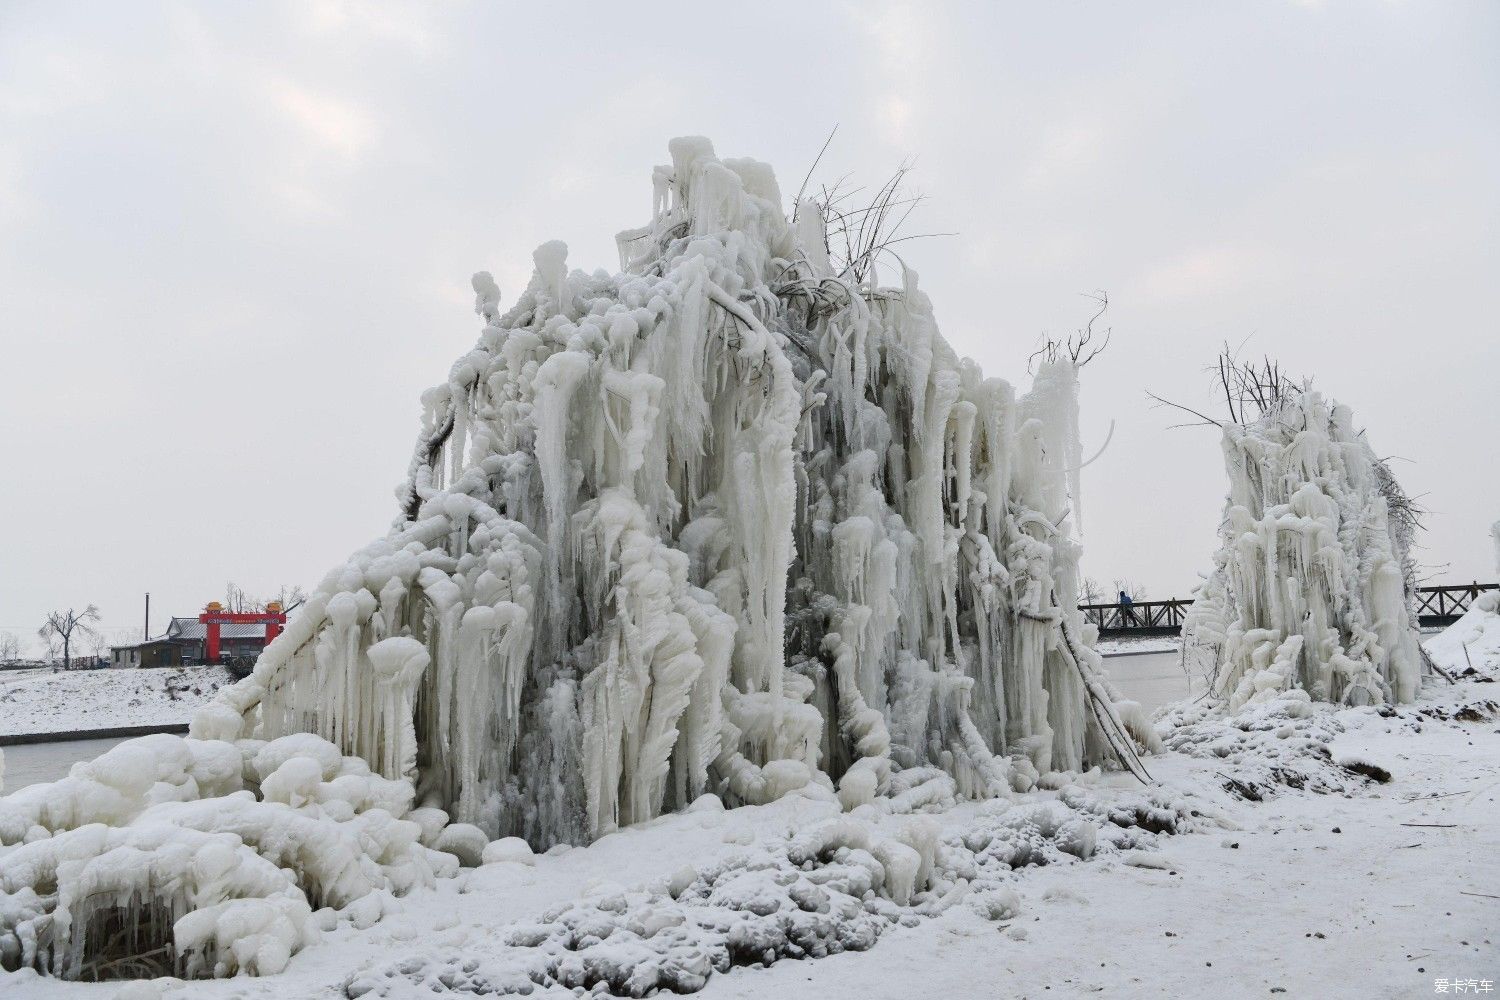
[[192, 857], [1290, 741], [835, 885]]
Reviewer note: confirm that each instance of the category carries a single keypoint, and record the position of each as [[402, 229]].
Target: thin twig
[[816, 160]]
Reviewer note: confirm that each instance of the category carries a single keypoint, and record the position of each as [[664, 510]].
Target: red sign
[[273, 620]]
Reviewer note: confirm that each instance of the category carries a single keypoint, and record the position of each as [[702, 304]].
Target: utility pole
[[146, 637]]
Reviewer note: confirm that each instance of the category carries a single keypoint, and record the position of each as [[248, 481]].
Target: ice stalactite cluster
[[729, 521], [1312, 585]]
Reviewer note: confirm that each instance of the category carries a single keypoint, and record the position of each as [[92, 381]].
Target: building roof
[[192, 628]]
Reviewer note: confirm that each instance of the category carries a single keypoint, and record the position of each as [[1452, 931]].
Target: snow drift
[[1313, 582], [191, 857], [735, 520], [1470, 647]]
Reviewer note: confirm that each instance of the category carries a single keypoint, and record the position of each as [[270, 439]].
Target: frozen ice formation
[[204, 858], [731, 522], [1313, 582], [727, 521], [734, 522]]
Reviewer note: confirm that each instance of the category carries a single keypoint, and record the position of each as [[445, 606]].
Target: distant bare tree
[[98, 644], [238, 601], [1090, 591], [62, 624], [291, 596], [10, 647], [1131, 589]]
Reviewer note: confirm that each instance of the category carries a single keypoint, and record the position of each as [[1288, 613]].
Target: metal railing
[[1446, 605], [1137, 618], [1436, 606]]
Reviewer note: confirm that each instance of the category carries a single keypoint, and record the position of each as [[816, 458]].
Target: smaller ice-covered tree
[[1312, 585]]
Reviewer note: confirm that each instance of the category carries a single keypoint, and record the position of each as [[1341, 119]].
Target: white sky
[[235, 240]]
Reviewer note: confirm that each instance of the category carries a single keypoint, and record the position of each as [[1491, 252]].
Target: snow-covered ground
[[1293, 870], [1305, 895], [46, 701], [1131, 647]]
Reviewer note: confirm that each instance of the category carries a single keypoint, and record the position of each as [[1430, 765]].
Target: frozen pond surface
[[1153, 679], [30, 763]]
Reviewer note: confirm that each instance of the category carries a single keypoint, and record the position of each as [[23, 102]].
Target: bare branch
[[1079, 346]]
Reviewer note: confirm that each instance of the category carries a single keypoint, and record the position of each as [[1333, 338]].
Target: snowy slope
[[67, 701], [1472, 642], [1286, 905]]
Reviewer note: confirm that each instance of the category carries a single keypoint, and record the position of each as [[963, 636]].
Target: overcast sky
[[236, 238]]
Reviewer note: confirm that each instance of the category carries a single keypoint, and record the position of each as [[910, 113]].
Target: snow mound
[[189, 857], [834, 888], [1291, 741], [1470, 647], [1312, 584], [734, 520], [1276, 743]]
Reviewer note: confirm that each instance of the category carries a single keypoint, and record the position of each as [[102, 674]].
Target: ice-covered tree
[[735, 519], [1313, 582]]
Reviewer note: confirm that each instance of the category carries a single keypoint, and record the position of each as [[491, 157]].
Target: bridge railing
[[1138, 618], [1446, 605], [1436, 606]]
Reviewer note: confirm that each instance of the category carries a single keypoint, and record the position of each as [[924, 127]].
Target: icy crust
[[1291, 741], [834, 887], [1312, 584], [1275, 743], [724, 522], [205, 858]]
